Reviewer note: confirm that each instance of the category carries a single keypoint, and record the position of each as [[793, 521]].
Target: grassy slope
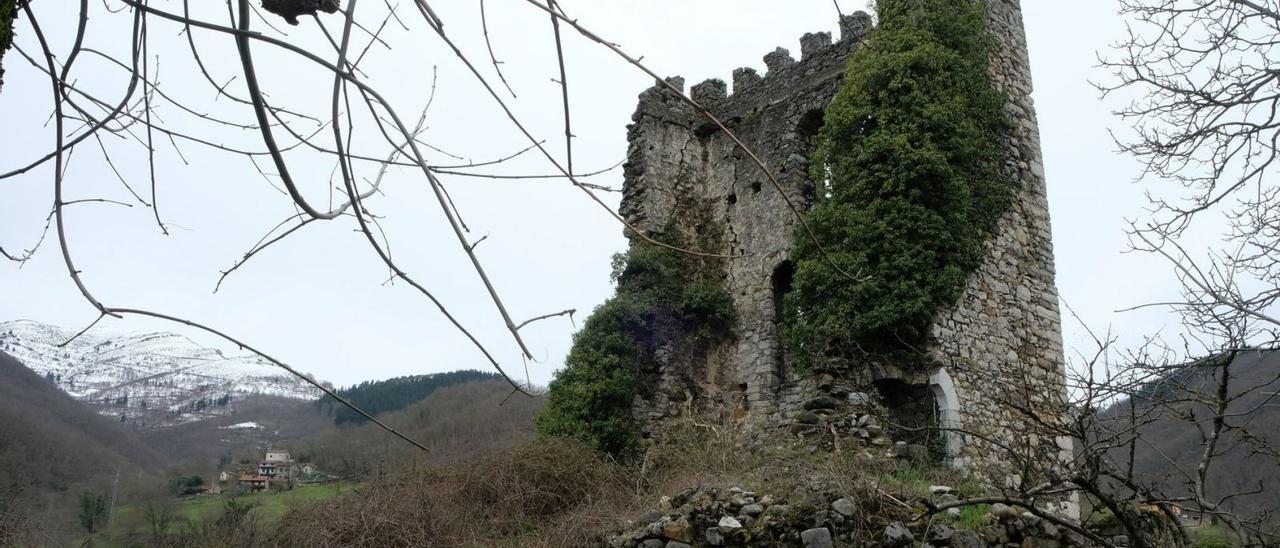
[[269, 507], [130, 523]]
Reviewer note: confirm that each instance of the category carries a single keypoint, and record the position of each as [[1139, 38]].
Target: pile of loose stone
[[709, 516], [842, 420]]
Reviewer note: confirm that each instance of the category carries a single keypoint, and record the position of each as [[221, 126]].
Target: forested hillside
[[256, 422], [1240, 466], [378, 397], [50, 440], [464, 420], [53, 449]]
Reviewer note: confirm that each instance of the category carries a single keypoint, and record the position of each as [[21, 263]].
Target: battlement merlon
[[820, 60]]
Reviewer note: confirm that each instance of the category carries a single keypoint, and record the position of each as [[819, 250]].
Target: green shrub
[[909, 161], [706, 308], [8, 14], [1212, 538], [186, 485], [590, 399], [663, 296]]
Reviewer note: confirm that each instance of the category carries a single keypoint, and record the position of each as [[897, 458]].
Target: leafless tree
[[361, 134], [1201, 86], [1203, 89], [1125, 406], [160, 519]]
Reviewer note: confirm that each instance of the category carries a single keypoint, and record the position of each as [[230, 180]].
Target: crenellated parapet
[[763, 109], [820, 59]]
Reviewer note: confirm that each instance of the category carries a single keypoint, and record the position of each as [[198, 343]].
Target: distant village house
[[254, 483], [279, 466]]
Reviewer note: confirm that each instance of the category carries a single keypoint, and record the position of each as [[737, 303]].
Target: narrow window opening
[[783, 276]]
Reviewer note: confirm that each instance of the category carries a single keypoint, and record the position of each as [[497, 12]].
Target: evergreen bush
[[662, 296], [908, 160]]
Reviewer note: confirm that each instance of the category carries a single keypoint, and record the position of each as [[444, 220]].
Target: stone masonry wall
[[679, 162], [1000, 344]]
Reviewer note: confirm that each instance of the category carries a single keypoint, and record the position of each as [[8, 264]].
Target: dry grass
[[556, 493], [526, 492]]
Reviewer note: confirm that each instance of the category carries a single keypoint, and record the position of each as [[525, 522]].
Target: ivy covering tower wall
[[909, 160]]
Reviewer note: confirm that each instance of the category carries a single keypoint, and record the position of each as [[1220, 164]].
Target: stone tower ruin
[[998, 345]]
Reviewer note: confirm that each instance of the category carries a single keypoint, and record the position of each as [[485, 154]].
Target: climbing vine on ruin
[[664, 297], [909, 157]]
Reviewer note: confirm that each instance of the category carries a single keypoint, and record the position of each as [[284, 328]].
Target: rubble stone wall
[[999, 344]]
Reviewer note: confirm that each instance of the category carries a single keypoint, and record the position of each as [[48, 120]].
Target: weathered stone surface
[[678, 530], [854, 26], [966, 539], [714, 536], [729, 524], [939, 534], [778, 59], [897, 534], [813, 42], [824, 518], [1003, 512], [708, 91], [816, 538], [845, 507]]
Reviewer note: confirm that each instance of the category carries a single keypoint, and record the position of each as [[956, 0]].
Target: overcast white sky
[[317, 300]]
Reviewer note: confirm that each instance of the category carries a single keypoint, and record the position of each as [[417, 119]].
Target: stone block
[[813, 42], [854, 26], [744, 78], [778, 59]]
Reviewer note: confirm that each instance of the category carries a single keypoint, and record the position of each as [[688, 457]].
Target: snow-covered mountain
[[146, 379]]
